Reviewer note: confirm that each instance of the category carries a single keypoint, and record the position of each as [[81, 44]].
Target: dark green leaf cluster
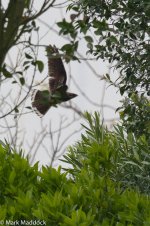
[[118, 31], [67, 28], [18, 185], [104, 185], [31, 61], [122, 37], [70, 50], [135, 115]]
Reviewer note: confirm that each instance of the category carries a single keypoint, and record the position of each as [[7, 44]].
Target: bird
[[57, 93]]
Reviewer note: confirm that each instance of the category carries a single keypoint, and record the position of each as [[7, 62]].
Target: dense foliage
[[135, 114], [107, 183], [118, 32]]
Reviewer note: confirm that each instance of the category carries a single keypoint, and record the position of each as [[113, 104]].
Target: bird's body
[[57, 93]]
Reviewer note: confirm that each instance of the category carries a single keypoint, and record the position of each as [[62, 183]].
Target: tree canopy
[[117, 32]]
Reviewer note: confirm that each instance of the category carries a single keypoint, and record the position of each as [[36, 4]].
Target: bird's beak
[[72, 95]]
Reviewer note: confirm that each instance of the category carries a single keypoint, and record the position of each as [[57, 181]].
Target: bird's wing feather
[[56, 69], [39, 103]]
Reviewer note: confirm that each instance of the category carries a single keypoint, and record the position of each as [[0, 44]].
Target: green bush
[[107, 183], [135, 115], [118, 154], [18, 180]]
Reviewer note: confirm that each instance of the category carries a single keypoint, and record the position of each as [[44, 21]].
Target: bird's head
[[50, 50], [60, 97]]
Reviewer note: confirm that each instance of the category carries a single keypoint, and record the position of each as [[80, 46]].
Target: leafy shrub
[[108, 173], [118, 154], [136, 115]]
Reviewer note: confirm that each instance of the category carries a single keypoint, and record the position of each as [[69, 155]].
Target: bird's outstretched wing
[[40, 102], [56, 69]]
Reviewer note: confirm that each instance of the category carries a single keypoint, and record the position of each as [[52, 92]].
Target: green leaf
[[28, 56], [26, 67], [12, 177], [132, 36], [33, 23], [28, 107], [89, 45], [40, 65], [16, 109], [22, 81], [88, 38], [108, 76], [19, 72], [113, 39], [26, 62], [67, 47], [7, 74]]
